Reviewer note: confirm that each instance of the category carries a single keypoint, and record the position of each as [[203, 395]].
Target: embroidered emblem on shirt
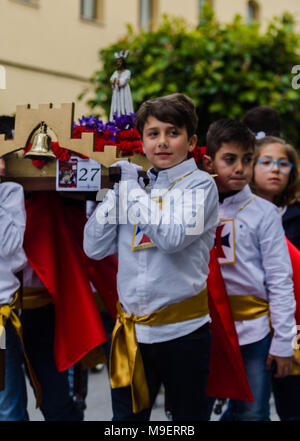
[[140, 240], [225, 242]]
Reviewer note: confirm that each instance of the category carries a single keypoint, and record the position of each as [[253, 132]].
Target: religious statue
[[121, 99]]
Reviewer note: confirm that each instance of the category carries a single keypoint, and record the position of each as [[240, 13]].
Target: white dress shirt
[[30, 278], [176, 267], [12, 227], [262, 269]]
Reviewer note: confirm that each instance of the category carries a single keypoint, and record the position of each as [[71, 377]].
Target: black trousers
[[38, 331], [287, 397], [182, 366]]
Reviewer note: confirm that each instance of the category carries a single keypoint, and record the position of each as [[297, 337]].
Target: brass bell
[[41, 146]]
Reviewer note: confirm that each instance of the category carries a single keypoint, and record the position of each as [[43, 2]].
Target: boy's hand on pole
[[2, 167], [129, 170]]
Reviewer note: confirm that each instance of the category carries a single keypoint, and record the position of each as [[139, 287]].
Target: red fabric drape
[[295, 260], [227, 377], [102, 273], [53, 251]]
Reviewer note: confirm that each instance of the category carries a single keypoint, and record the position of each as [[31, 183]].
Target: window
[[253, 11], [148, 14], [34, 3], [2, 83], [92, 10], [201, 4]]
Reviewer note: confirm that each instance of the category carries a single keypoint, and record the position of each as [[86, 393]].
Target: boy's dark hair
[[7, 125], [177, 109], [228, 130], [263, 119]]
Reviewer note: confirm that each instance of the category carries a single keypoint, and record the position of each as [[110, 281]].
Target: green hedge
[[225, 68]]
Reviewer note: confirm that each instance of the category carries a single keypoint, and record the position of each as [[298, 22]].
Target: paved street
[[99, 402]]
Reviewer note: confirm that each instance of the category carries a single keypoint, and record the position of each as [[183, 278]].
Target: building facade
[[49, 48]]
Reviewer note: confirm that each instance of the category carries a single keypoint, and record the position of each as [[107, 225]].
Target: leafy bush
[[225, 68]]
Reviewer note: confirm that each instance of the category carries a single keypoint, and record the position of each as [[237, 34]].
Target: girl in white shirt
[[277, 179]]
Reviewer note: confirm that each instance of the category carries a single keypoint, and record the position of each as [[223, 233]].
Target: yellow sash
[[250, 307], [7, 312], [35, 298], [296, 367], [247, 307], [126, 364]]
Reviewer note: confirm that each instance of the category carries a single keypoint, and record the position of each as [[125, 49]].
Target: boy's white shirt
[[30, 278], [262, 269], [175, 269], [12, 227]]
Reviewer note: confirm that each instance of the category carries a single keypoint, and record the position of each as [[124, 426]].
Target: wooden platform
[[21, 170]]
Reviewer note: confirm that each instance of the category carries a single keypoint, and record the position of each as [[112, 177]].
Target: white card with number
[[78, 174]]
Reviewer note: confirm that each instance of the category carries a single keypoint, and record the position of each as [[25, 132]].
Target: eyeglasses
[[283, 165]]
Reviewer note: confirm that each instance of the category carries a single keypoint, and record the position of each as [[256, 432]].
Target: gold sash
[[296, 367], [126, 364], [247, 307], [7, 312], [33, 298], [250, 307]]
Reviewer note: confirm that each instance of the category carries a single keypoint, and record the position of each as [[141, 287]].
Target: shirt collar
[[239, 197], [173, 173]]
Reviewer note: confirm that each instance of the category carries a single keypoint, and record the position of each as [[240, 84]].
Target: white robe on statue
[[121, 99]]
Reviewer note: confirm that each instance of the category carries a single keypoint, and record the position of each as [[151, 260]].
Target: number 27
[[84, 172]]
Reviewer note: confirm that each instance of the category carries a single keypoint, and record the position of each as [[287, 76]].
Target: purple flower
[[124, 122], [120, 123]]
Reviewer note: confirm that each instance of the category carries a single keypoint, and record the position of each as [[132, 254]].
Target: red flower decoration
[[77, 131], [39, 163], [100, 142], [60, 153], [197, 154], [130, 135]]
